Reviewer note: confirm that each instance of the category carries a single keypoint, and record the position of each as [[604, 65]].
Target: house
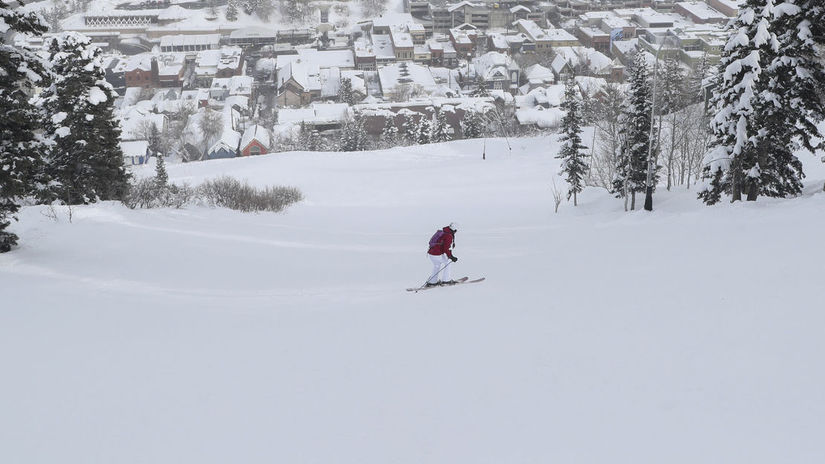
[[464, 39], [226, 146], [442, 51], [400, 81], [115, 75], [364, 56], [494, 70], [135, 152], [402, 44], [189, 42], [700, 13], [539, 76], [383, 49], [139, 70], [255, 141], [171, 69], [318, 116], [299, 83]]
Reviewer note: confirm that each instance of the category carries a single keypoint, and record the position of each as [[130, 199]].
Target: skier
[[441, 254]]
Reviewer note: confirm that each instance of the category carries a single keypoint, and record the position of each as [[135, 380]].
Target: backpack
[[436, 238]]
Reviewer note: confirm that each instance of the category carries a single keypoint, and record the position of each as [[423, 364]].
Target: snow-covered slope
[[692, 334]]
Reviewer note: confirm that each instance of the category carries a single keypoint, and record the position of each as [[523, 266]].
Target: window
[[255, 150]]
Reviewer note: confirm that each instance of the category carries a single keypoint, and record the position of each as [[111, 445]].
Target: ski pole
[[436, 273]]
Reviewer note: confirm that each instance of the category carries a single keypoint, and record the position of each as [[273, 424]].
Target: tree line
[[63, 144], [767, 95]]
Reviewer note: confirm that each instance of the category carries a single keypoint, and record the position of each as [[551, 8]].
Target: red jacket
[[444, 245]]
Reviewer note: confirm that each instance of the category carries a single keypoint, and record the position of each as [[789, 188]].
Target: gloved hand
[[454, 259]]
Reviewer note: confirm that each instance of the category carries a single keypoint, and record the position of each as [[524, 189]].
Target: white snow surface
[[692, 334]]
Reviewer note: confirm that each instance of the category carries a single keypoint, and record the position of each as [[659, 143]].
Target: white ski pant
[[439, 274]]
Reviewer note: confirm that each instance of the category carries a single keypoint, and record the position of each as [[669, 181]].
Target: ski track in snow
[[689, 335]]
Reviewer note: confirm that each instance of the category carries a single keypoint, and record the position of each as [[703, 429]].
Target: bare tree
[[607, 138], [210, 125]]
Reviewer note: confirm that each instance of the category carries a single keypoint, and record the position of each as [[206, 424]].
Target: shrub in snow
[[229, 192], [146, 193]]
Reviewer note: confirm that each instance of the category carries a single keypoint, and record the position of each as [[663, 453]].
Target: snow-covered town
[[275, 75], [412, 231]]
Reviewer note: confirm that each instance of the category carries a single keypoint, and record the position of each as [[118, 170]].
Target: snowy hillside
[[690, 335]]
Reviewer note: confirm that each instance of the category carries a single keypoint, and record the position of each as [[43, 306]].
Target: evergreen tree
[[424, 130], [353, 135], [346, 95], [389, 135], [20, 148], [632, 161], [161, 177], [572, 152], [155, 141], [472, 125], [765, 105], [85, 159], [440, 127], [232, 11], [409, 127]]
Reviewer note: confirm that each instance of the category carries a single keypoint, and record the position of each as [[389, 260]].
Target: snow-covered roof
[[252, 32], [531, 29], [544, 118], [461, 5], [396, 74], [559, 35], [702, 11], [596, 61], [134, 147], [255, 132], [317, 113], [393, 19], [401, 39], [494, 65], [182, 40], [241, 85], [382, 46], [174, 13], [142, 61], [330, 82], [538, 73]]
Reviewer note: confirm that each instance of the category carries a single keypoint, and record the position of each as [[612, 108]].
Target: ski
[[463, 280]]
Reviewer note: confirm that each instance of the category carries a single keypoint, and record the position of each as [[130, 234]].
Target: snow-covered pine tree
[[85, 159], [20, 148], [155, 141], [440, 127], [345, 94], [796, 72], [161, 176], [572, 152], [472, 125], [389, 135], [409, 127], [754, 127], [232, 11], [353, 135], [424, 130], [632, 161]]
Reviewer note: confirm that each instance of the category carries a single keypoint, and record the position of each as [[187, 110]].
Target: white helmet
[[453, 226]]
